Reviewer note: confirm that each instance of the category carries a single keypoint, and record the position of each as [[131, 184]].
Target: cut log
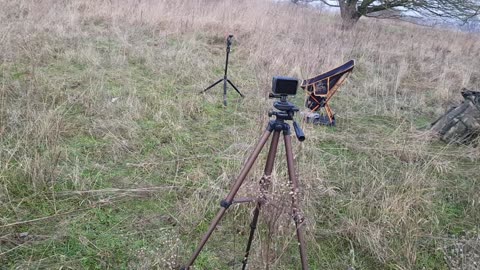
[[460, 124]]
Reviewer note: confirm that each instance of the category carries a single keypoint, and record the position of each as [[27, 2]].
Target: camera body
[[284, 86]]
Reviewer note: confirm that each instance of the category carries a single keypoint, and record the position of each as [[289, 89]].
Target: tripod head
[[286, 111], [229, 42]]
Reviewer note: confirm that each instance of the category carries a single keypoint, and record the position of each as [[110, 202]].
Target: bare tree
[[352, 10]]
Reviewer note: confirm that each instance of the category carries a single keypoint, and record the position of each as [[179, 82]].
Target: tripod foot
[[212, 85]]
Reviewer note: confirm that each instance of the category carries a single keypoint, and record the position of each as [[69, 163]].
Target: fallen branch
[[114, 190], [51, 216]]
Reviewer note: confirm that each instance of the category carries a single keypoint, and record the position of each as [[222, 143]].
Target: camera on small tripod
[[225, 79]]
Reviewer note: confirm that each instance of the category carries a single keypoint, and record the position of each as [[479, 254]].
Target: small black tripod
[[285, 111], [225, 79]]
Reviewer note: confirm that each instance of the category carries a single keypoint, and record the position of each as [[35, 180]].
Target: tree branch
[[461, 10], [328, 4]]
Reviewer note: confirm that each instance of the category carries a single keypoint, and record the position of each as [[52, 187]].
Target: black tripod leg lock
[[225, 204]]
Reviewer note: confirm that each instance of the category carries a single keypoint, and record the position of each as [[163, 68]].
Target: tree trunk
[[349, 13]]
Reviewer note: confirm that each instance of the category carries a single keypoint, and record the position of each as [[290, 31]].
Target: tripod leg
[[234, 87], [297, 217], [253, 226], [264, 185], [212, 85], [225, 91], [229, 199]]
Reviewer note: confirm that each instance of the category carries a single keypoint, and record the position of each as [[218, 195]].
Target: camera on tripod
[[284, 86]]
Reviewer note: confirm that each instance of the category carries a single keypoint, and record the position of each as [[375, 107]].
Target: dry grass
[[99, 113]]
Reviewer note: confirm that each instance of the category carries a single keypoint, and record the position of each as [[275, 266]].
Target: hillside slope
[[110, 157]]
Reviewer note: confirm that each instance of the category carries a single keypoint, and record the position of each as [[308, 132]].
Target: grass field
[[111, 159]]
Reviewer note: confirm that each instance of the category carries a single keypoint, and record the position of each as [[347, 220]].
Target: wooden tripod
[[276, 126]]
